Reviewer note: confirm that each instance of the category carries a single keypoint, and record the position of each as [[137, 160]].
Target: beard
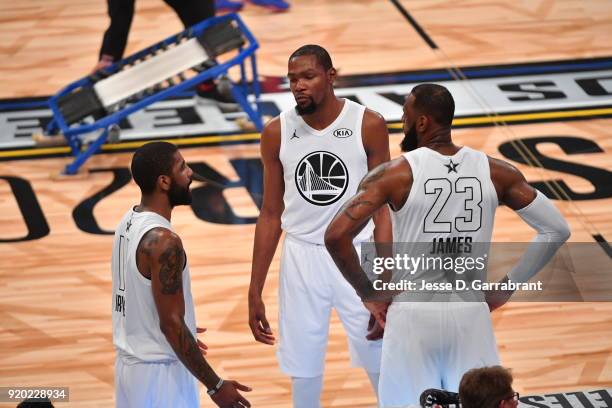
[[178, 195], [306, 110], [409, 142]]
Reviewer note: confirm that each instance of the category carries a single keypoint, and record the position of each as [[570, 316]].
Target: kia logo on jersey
[[343, 132], [321, 178]]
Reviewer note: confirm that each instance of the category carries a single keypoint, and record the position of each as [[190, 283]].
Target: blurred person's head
[[487, 387], [35, 403]]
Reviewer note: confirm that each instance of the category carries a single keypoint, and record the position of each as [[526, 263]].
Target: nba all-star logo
[[321, 178]]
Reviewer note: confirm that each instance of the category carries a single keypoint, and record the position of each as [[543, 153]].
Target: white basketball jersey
[[451, 197], [450, 209], [322, 170], [136, 333]]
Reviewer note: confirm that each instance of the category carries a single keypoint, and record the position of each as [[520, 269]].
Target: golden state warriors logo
[[321, 178]]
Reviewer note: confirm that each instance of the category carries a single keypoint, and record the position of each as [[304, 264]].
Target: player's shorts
[[153, 385], [310, 285], [431, 345]]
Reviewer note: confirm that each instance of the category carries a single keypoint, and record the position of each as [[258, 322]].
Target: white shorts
[[310, 285], [431, 345], [149, 385]]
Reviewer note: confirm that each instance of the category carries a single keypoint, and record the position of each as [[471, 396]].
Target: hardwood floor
[[55, 315]]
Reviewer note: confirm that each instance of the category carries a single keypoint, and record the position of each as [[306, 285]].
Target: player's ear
[[331, 75], [422, 123], [164, 182]]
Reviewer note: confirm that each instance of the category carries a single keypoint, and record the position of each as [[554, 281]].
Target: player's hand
[[378, 310], [497, 298], [203, 347], [229, 397], [375, 331], [258, 322]]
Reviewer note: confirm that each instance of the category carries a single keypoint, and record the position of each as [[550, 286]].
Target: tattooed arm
[[161, 254], [388, 183]]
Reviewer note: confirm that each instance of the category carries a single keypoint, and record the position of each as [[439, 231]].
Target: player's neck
[[155, 205], [326, 113], [440, 141]]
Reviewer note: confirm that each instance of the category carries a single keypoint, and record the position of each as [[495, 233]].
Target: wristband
[[216, 388]]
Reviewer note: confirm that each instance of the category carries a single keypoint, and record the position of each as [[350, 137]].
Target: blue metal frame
[[240, 91]]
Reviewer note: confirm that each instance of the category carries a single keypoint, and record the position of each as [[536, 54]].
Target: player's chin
[[305, 108], [304, 103]]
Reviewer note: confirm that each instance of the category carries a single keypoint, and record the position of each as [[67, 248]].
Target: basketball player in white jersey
[[159, 360], [431, 344], [314, 156]]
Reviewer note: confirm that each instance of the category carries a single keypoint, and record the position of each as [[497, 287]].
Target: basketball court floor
[[533, 85]]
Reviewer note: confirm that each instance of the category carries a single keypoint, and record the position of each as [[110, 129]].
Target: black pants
[[121, 13]]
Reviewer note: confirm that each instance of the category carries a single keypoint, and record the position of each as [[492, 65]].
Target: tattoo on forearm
[[353, 272], [189, 353], [349, 215], [354, 206], [171, 270], [356, 277]]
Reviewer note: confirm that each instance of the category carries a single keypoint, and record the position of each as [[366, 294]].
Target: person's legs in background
[[192, 12]]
